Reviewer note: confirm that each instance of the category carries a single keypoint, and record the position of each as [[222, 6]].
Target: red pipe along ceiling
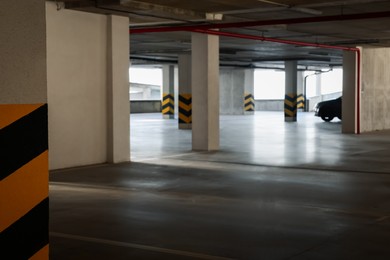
[[205, 29]]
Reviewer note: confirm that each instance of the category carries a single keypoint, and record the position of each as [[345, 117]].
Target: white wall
[[77, 66], [375, 97]]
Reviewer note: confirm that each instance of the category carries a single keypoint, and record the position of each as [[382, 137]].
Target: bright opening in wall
[[332, 82], [323, 83], [269, 84], [145, 83]]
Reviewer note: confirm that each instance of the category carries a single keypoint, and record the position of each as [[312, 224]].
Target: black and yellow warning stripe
[[168, 104], [185, 109], [290, 105], [24, 189], [301, 101], [249, 102]]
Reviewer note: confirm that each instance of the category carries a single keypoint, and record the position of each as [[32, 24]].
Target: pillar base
[[169, 116], [290, 119], [185, 126]]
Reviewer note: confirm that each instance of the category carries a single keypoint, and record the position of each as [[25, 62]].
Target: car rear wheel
[[327, 118]]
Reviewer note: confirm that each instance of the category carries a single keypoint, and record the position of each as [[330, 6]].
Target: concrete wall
[[145, 106], [269, 105], [23, 52], [232, 88], [375, 96], [278, 104], [77, 87]]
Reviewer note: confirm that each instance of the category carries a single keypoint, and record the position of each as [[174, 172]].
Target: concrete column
[[168, 103], [118, 109], [249, 93], [301, 97], [375, 89], [24, 203], [185, 92], [349, 117], [290, 100], [205, 92], [232, 88]]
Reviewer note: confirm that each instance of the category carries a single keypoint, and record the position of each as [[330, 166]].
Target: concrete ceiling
[[338, 23]]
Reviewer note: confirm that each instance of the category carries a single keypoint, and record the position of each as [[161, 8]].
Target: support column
[[249, 98], [290, 99], [205, 92], [24, 174], [118, 109], [185, 92], [168, 103], [232, 88], [301, 97], [349, 92]]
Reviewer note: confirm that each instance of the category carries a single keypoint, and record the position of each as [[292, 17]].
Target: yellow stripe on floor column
[[12, 112], [23, 190], [24, 174], [42, 254]]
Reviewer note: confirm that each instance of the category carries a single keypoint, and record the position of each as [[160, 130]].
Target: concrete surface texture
[[232, 91], [23, 53], [275, 190], [375, 89]]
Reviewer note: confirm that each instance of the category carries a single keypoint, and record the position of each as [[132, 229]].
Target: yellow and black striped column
[[185, 111], [249, 103], [24, 184], [168, 106], [290, 107], [301, 101]]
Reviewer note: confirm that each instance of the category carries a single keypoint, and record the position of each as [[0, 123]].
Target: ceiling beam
[[174, 11]]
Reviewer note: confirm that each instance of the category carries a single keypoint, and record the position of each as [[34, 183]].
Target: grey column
[[301, 97], [349, 116], [232, 82], [290, 98], [249, 93], [168, 102], [205, 92], [185, 92], [118, 109], [24, 164]]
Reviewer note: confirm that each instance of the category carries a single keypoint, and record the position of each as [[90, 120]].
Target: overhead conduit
[[207, 30]]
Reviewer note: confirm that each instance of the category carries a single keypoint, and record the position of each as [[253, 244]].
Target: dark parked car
[[329, 109]]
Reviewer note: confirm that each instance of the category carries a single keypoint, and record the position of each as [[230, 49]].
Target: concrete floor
[[275, 190]]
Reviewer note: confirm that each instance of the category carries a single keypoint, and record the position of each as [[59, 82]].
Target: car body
[[329, 109]]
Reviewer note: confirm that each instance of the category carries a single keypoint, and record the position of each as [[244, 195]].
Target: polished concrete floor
[[275, 190]]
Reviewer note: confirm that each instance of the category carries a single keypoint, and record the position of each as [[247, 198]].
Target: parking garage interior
[[83, 178]]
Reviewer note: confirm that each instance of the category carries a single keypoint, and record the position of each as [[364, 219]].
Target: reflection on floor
[[275, 190]]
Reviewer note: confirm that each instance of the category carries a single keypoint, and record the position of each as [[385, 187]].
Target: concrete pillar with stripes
[[168, 98], [290, 98], [24, 203], [185, 92], [249, 99], [301, 97], [205, 92]]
